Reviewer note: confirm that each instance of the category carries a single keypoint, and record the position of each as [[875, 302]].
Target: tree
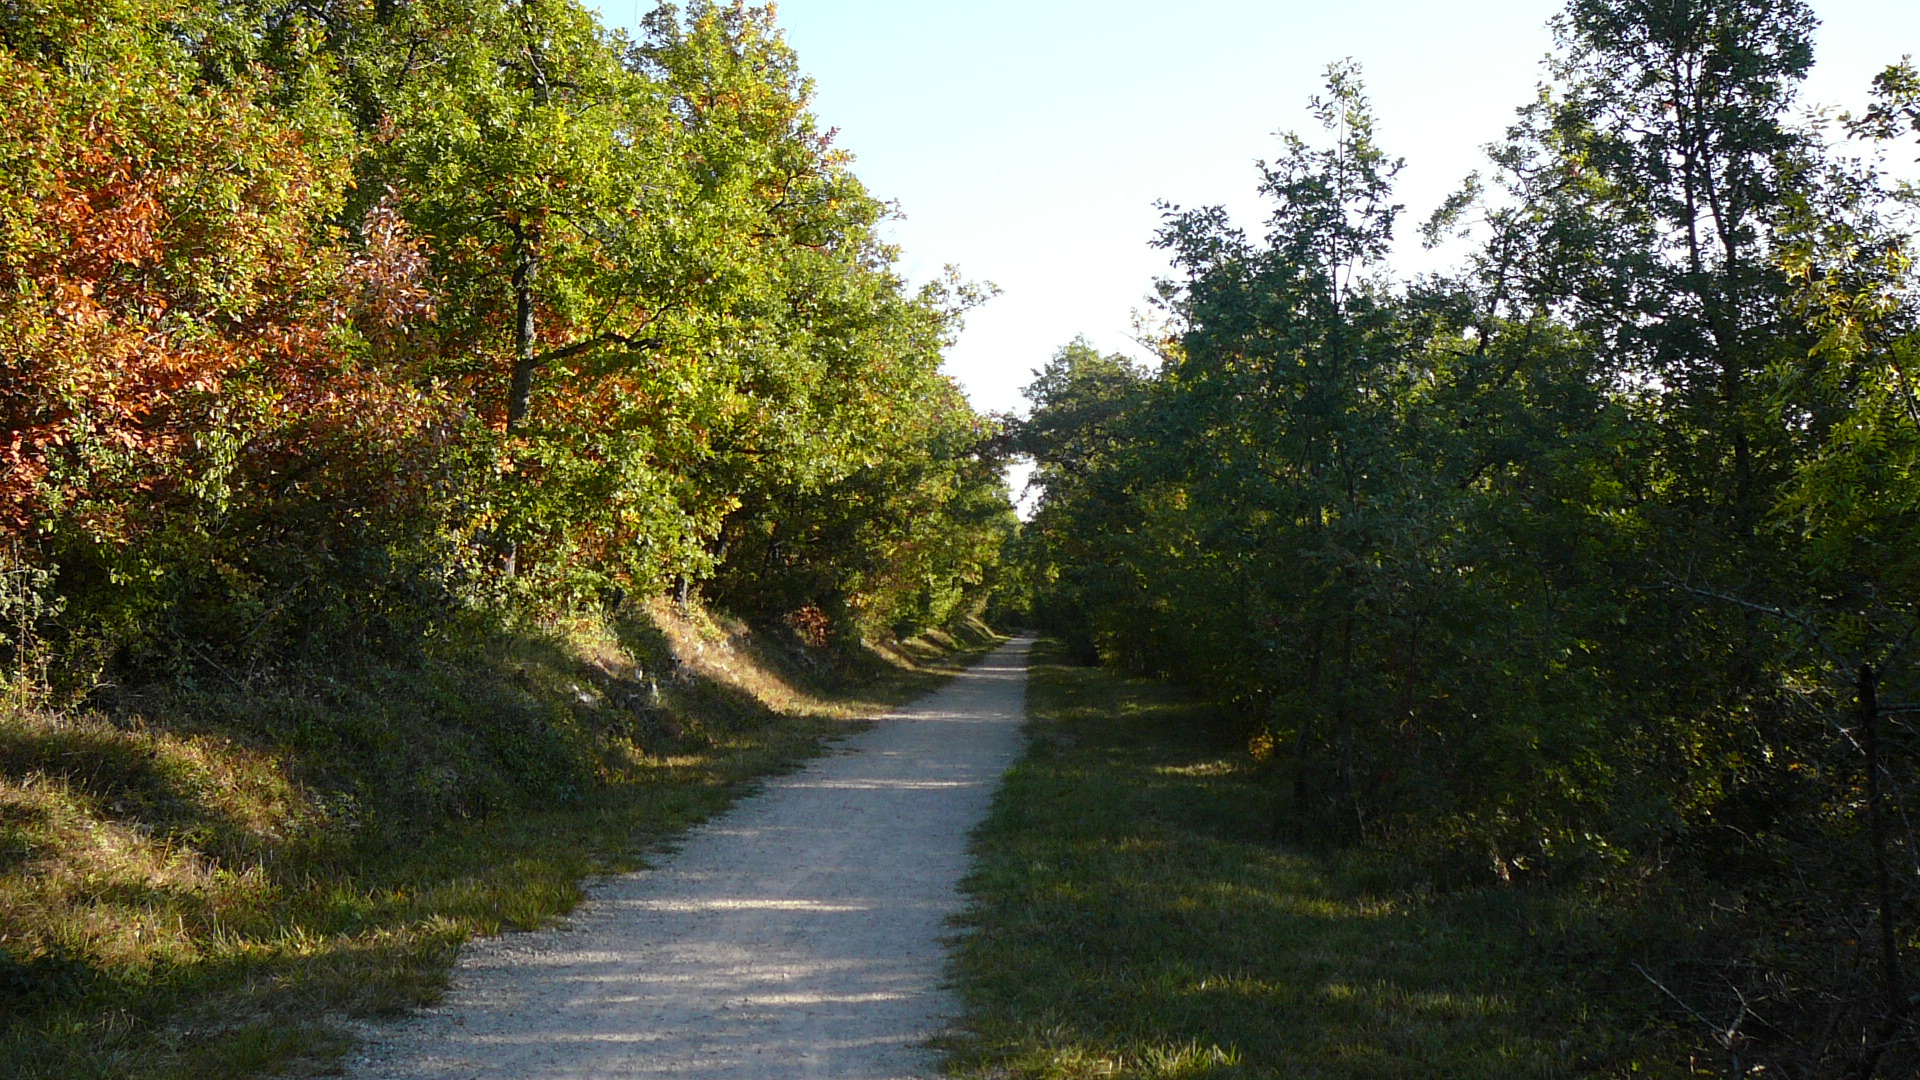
[[179, 389]]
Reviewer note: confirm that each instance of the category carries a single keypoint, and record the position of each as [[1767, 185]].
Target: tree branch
[[632, 342], [1801, 621]]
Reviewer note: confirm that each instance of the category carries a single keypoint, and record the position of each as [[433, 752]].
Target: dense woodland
[[371, 372], [1589, 566], [323, 319]]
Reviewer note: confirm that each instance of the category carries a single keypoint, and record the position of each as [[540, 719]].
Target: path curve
[[798, 935]]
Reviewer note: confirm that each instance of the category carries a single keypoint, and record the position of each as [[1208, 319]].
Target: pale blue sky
[[1027, 141]]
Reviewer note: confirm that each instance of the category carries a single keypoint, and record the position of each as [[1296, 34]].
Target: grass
[[1131, 917], [203, 881]]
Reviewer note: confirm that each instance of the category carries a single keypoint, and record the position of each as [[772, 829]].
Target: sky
[[1028, 142]]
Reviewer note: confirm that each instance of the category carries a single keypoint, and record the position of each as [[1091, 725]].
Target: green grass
[[1132, 917], [201, 882]]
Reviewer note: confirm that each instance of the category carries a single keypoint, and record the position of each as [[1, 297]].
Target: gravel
[[799, 935]]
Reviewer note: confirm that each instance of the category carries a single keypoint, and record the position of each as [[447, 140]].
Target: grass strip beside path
[[187, 893], [1131, 917]]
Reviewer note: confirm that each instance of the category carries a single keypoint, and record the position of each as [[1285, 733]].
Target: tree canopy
[[1587, 564], [314, 312]]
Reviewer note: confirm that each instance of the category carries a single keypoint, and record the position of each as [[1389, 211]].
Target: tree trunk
[[526, 341], [1891, 987], [525, 335]]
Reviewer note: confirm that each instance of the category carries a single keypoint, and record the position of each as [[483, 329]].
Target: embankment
[[199, 879]]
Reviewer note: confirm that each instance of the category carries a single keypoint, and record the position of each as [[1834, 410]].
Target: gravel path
[[796, 936]]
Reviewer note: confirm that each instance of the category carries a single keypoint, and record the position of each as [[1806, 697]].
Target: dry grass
[[200, 883]]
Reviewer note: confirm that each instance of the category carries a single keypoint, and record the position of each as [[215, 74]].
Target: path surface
[[796, 936]]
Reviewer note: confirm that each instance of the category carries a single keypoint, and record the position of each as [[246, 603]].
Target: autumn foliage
[[317, 320]]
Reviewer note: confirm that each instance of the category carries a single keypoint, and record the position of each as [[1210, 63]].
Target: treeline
[[1588, 566], [319, 320]]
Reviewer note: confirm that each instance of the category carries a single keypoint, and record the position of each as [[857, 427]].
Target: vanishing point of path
[[796, 936]]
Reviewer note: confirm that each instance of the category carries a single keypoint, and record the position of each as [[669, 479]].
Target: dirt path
[[797, 936]]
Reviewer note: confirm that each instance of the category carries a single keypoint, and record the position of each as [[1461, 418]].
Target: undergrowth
[[1132, 916], [203, 877]]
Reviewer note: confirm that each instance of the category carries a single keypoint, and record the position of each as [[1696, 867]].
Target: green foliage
[[1576, 567], [324, 325], [348, 349]]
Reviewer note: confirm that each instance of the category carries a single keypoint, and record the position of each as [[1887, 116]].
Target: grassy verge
[[199, 881], [1131, 917]]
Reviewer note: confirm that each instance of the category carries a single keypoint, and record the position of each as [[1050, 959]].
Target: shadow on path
[[797, 936]]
